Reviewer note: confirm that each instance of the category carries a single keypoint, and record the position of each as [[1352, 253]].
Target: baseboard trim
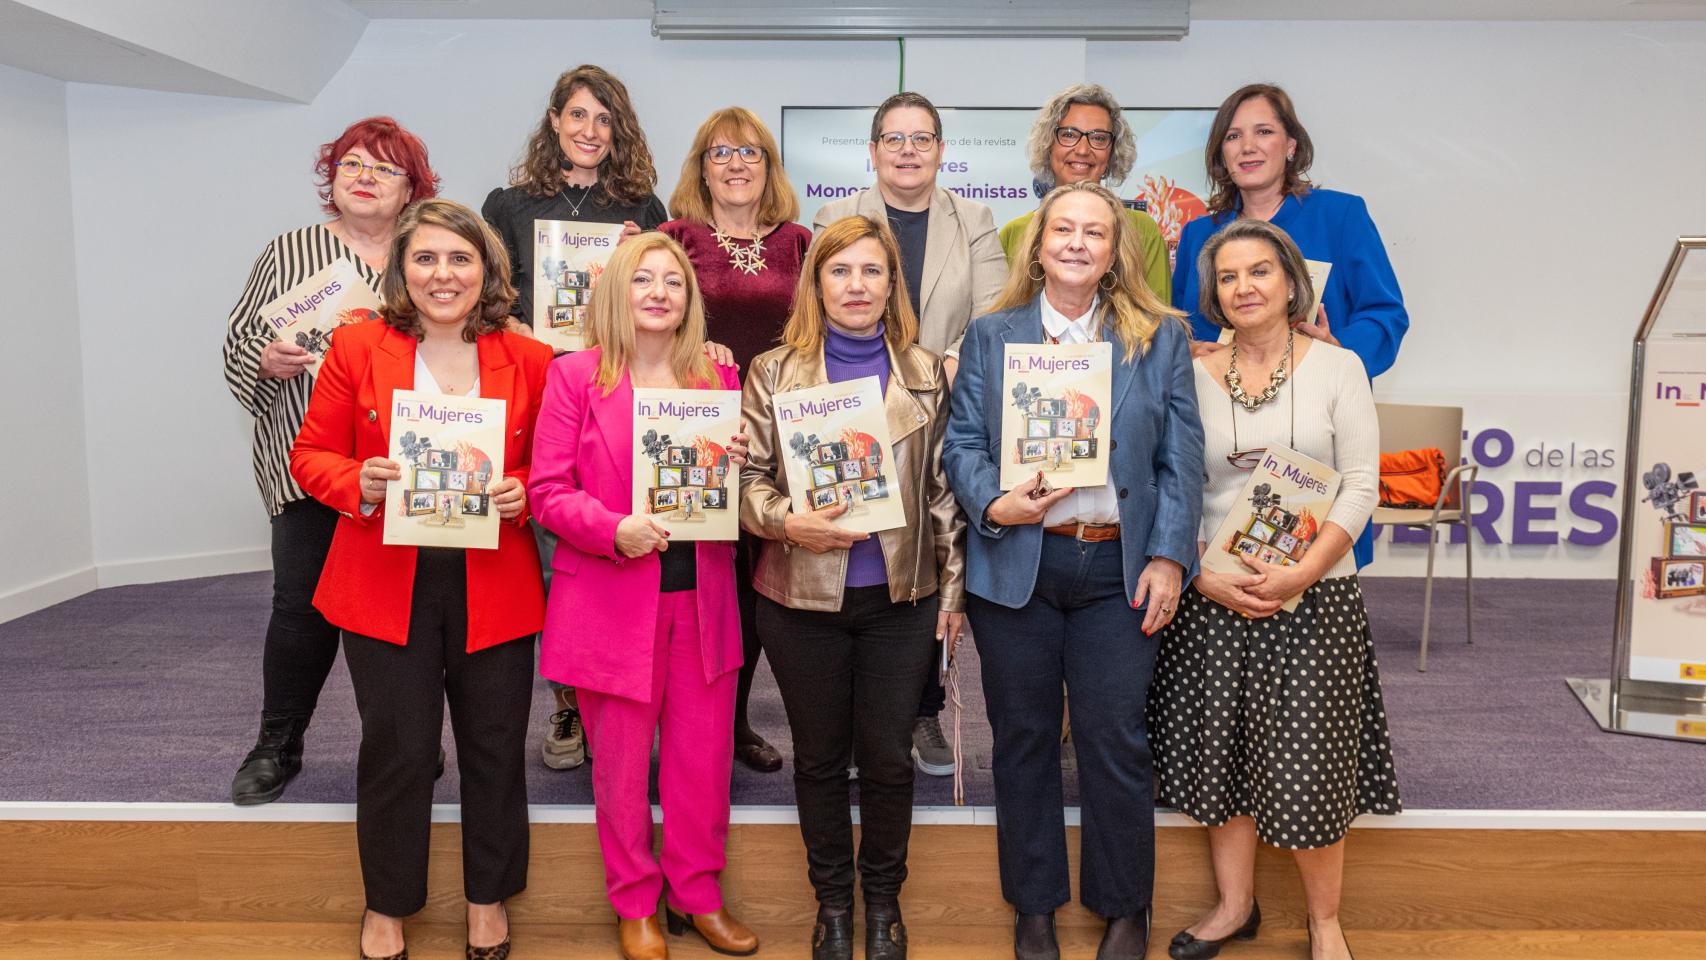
[[45, 593], [187, 567], [1661, 820]]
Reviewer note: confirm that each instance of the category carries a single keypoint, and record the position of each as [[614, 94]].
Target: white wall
[[45, 528], [1529, 179]]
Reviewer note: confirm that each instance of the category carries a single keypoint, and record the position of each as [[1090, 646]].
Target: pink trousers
[[695, 756]]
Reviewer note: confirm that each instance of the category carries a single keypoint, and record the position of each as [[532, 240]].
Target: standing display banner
[[1658, 682], [983, 158]]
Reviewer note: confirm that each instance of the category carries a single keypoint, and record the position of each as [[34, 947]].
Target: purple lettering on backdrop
[[1483, 439], [1527, 512], [1606, 519]]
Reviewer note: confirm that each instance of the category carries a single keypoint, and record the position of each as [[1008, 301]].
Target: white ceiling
[[1200, 9]]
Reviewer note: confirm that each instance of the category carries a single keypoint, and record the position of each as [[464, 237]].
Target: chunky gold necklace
[[746, 259], [1234, 383]]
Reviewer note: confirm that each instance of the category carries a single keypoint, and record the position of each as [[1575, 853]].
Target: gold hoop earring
[[1039, 265], [1108, 282]]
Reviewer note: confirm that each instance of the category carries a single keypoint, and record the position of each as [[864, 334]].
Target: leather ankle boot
[[721, 931], [885, 935], [272, 764], [832, 937]]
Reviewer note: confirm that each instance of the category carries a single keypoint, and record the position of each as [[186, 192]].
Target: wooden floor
[[246, 890]]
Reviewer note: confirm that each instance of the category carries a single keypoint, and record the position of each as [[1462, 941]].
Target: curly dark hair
[[626, 173], [496, 294]]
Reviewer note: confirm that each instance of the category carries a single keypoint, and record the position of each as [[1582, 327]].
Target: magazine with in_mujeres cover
[[568, 257], [1057, 397], [1277, 516], [451, 450], [682, 475], [310, 312], [834, 446]]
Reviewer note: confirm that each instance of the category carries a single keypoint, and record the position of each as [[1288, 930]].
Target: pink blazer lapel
[[613, 414]]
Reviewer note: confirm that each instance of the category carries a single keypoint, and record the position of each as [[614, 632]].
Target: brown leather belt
[[1088, 532]]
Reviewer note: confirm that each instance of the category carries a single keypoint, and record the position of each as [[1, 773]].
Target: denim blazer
[[1155, 455]]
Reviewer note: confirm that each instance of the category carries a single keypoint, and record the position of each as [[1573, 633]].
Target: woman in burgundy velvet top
[[734, 214]]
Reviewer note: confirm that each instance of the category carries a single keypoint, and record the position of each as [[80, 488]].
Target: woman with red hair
[[367, 175]]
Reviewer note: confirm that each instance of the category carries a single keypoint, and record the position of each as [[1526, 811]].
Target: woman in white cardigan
[[1269, 725]]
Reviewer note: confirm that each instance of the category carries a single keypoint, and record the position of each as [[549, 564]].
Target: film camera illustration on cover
[[1058, 431], [444, 487], [686, 483], [683, 477], [847, 471], [1680, 571]]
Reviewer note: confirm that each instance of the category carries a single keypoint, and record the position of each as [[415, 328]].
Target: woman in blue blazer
[[1066, 586]]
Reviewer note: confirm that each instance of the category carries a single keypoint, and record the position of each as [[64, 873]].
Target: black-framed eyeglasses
[[923, 141], [352, 167], [722, 153], [1246, 459], [1069, 137]]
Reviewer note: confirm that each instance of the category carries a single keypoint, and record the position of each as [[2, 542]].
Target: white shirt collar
[[1075, 330]]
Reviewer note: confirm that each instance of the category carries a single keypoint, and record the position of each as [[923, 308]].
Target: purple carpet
[[152, 693]]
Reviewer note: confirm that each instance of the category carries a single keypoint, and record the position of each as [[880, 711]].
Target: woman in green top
[[1079, 136]]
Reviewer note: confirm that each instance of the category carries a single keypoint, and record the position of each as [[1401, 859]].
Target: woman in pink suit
[[649, 636]]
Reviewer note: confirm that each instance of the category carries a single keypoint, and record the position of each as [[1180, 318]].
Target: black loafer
[[885, 935], [832, 938], [757, 754], [272, 764], [1033, 937], [1187, 947]]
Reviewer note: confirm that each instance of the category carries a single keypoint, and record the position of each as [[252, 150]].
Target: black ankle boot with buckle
[[272, 764], [832, 937], [885, 935]]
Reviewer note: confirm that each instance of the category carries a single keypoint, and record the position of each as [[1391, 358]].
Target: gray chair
[[1410, 427]]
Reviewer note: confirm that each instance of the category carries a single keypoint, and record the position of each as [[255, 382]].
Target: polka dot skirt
[[1279, 719]]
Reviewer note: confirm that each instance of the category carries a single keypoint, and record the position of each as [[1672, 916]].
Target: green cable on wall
[[902, 41]]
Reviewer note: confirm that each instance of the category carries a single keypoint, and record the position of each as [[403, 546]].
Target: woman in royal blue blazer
[[1066, 587], [1258, 159]]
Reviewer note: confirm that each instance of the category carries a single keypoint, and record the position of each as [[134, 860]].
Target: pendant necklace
[[574, 208], [745, 259]]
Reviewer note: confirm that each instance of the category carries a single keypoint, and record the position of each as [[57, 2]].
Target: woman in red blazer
[[424, 624], [648, 633]]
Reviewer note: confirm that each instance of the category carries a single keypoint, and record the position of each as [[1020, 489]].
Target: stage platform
[[1528, 833]]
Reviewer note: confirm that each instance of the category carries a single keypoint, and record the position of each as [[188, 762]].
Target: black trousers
[[300, 646], [400, 692], [850, 681], [1078, 628]]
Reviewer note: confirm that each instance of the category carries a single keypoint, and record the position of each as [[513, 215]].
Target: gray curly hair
[[1123, 153]]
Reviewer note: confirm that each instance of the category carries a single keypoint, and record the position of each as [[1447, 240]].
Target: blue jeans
[[1078, 629]]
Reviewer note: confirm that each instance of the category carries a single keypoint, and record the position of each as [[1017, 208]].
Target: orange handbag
[[1411, 478]]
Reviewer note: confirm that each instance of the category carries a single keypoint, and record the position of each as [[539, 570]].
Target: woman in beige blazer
[[950, 253]]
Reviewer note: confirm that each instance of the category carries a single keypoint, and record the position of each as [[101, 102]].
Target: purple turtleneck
[[848, 357]]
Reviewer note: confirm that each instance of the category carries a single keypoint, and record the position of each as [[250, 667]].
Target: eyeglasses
[[1246, 459], [1069, 137], [353, 168], [922, 142], [722, 153]]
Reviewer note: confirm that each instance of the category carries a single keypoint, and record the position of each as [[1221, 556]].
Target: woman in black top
[[588, 161]]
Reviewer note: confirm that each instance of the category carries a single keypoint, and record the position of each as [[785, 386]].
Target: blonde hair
[[610, 324], [806, 322], [1129, 309], [738, 125]]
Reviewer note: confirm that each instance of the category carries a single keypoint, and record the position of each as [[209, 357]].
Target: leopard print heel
[[498, 952]]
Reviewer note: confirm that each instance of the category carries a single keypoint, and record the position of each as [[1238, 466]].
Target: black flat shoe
[[832, 938], [1187, 947], [885, 935], [1127, 938], [758, 754], [1033, 937]]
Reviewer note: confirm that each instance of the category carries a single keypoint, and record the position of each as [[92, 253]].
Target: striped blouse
[[278, 406]]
